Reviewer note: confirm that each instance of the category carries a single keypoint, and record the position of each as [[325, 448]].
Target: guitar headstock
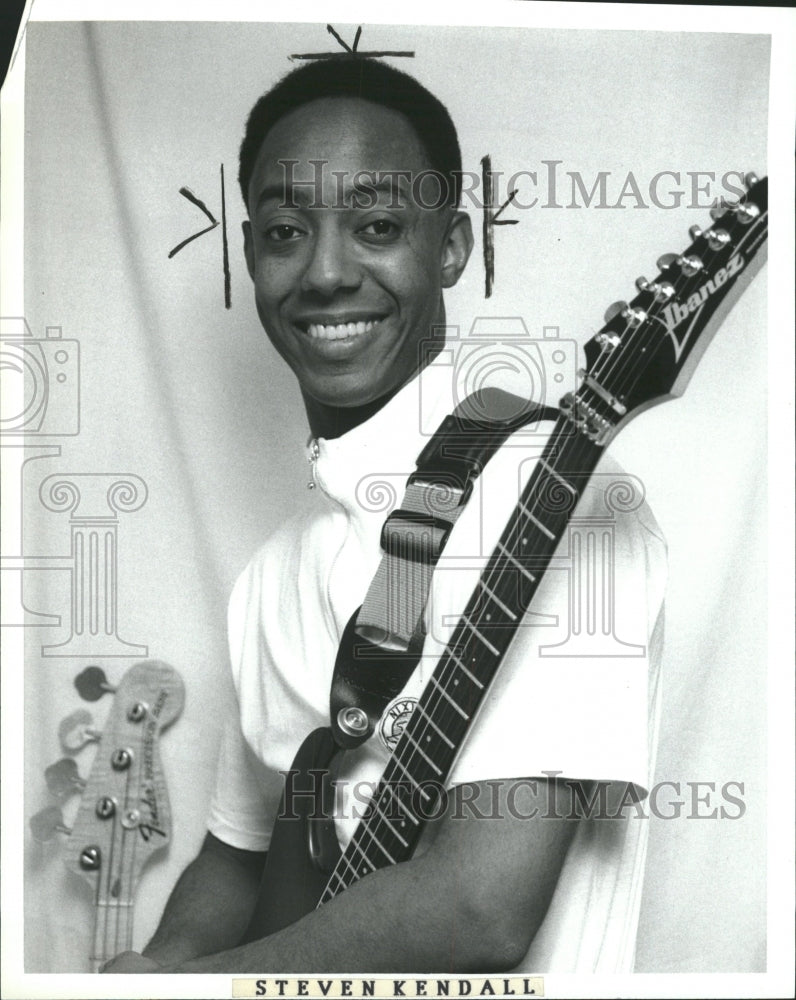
[[124, 816], [649, 347]]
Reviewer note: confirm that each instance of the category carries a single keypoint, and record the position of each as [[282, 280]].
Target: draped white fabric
[[190, 397]]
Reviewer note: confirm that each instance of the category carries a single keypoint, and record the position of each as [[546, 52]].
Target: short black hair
[[369, 80]]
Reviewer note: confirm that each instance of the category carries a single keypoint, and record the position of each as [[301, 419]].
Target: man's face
[[349, 285]]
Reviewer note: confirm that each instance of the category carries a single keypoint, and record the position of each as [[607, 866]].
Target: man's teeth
[[341, 330]]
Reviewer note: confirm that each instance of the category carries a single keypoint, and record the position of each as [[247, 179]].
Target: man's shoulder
[[297, 536]]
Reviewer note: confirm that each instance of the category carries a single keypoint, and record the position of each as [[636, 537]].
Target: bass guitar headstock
[[124, 817], [650, 346]]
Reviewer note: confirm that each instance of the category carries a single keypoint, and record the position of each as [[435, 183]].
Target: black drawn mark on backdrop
[[350, 50], [491, 219], [187, 193]]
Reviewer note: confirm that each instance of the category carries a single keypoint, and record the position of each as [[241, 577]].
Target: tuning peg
[[75, 731], [46, 823], [92, 684], [642, 284], [695, 232], [718, 239], [747, 212], [750, 179], [63, 778]]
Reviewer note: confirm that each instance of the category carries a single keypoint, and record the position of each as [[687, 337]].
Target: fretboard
[[411, 785]]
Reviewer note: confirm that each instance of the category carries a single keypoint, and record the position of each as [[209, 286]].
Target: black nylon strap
[[368, 676]]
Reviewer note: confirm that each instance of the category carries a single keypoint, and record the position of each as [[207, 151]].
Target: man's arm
[[472, 902], [208, 911]]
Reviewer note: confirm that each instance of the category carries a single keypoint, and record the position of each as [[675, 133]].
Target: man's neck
[[334, 421]]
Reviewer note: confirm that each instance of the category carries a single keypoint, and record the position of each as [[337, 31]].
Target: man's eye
[[381, 229], [282, 233]]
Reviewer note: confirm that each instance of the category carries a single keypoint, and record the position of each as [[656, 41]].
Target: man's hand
[[131, 961]]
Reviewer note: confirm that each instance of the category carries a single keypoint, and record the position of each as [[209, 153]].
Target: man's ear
[[248, 247], [456, 248]]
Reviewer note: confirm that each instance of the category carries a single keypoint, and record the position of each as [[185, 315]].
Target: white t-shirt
[[576, 695]]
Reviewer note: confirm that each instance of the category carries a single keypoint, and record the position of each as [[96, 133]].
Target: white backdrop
[[190, 396]]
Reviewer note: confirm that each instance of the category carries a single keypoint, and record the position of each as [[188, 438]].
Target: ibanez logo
[[676, 312]]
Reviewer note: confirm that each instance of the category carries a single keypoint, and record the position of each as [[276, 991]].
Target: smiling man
[[351, 175]]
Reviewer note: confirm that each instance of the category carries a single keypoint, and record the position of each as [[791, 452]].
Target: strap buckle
[[410, 534]]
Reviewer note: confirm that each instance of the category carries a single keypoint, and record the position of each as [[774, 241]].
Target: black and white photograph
[[358, 640]]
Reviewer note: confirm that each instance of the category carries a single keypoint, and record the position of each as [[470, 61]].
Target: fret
[[397, 761], [543, 528], [379, 844], [469, 673], [513, 559], [404, 808], [354, 846], [481, 636], [445, 695], [559, 477], [421, 711], [421, 751], [393, 831], [500, 604]]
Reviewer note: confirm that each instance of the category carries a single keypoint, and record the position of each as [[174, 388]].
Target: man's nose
[[332, 265]]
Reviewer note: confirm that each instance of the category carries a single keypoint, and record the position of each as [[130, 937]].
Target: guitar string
[[447, 666], [757, 229], [493, 574], [680, 284], [683, 280], [366, 827]]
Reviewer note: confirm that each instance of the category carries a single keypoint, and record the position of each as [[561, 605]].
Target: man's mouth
[[340, 331]]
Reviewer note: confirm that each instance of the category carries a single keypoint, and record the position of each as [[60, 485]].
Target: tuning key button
[[614, 310], [642, 284], [666, 261], [750, 179], [63, 779], [720, 209], [92, 684], [75, 731], [46, 823], [695, 232]]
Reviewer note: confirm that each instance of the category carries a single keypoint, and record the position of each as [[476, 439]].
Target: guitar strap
[[382, 642]]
